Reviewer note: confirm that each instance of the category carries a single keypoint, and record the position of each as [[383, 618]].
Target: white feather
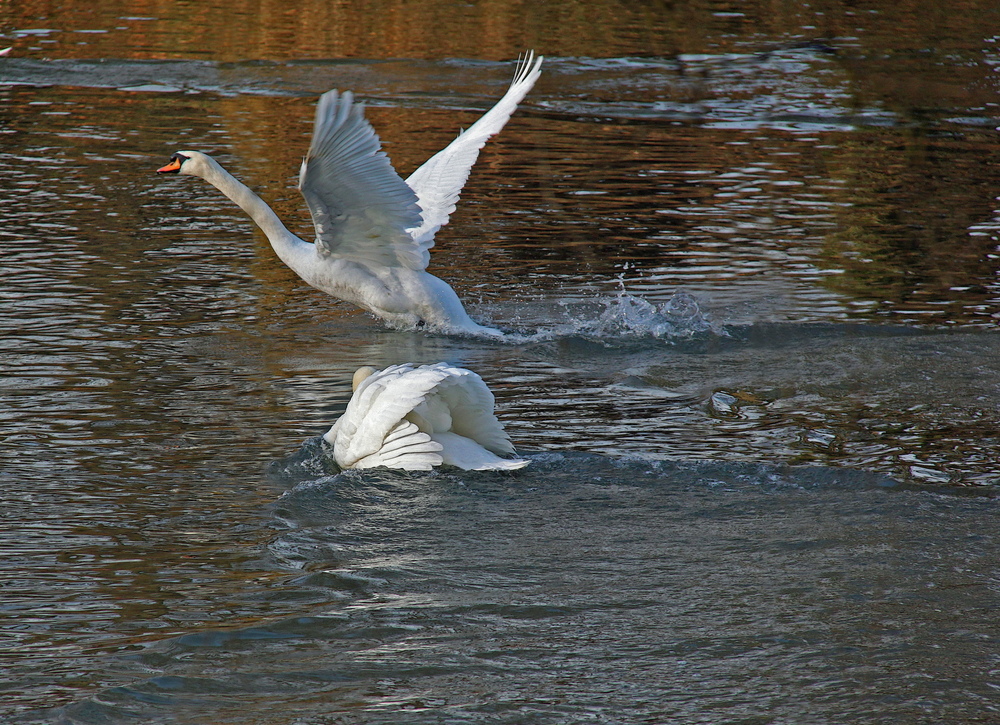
[[439, 181], [361, 208], [373, 230], [416, 418]]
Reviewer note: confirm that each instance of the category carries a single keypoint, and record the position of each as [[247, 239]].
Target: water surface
[[748, 259]]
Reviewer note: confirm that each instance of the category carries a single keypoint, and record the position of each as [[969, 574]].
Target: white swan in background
[[373, 230], [416, 418]]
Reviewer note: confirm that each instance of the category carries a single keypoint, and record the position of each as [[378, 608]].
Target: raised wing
[[377, 410], [360, 206], [470, 404], [414, 417], [405, 447], [439, 181]]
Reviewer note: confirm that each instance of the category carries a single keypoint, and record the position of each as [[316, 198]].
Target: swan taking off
[[416, 418], [373, 230]]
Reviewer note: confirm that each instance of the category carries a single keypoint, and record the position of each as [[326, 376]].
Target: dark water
[[749, 258]]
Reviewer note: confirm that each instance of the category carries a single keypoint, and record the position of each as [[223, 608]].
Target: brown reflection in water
[[276, 30], [434, 29], [621, 196], [907, 203]]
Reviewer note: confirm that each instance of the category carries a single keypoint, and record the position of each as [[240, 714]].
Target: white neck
[[284, 242]]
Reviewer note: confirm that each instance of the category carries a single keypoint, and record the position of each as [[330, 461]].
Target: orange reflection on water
[[274, 30]]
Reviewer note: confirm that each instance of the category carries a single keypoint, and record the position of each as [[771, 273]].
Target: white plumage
[[416, 418], [373, 229]]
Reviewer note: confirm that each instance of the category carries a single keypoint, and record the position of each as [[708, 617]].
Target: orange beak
[[172, 168]]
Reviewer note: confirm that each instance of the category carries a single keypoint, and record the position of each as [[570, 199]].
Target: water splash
[[628, 315], [612, 318]]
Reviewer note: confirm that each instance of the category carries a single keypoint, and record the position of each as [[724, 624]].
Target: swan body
[[416, 418], [373, 229]]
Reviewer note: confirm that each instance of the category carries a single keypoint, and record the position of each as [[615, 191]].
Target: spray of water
[[608, 318]]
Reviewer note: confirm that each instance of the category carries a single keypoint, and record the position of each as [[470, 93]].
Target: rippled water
[[748, 262]]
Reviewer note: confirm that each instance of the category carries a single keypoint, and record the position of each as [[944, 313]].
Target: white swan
[[373, 230], [416, 418]]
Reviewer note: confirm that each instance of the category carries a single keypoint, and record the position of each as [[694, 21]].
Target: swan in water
[[373, 229], [416, 418]]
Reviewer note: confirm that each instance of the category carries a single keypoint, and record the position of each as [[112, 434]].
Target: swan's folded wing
[[462, 452], [378, 406], [360, 206], [471, 404], [439, 181], [407, 448]]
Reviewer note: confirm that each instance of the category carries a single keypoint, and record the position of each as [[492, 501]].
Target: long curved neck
[[281, 239]]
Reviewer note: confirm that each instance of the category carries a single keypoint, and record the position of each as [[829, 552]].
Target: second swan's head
[[361, 375], [184, 162]]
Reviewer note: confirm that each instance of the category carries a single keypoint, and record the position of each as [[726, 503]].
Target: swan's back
[[411, 417], [461, 403]]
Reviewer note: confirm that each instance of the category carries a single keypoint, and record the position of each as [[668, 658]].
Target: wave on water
[[310, 472], [796, 89]]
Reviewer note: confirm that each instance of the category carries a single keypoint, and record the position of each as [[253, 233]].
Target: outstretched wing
[[439, 181], [360, 206]]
